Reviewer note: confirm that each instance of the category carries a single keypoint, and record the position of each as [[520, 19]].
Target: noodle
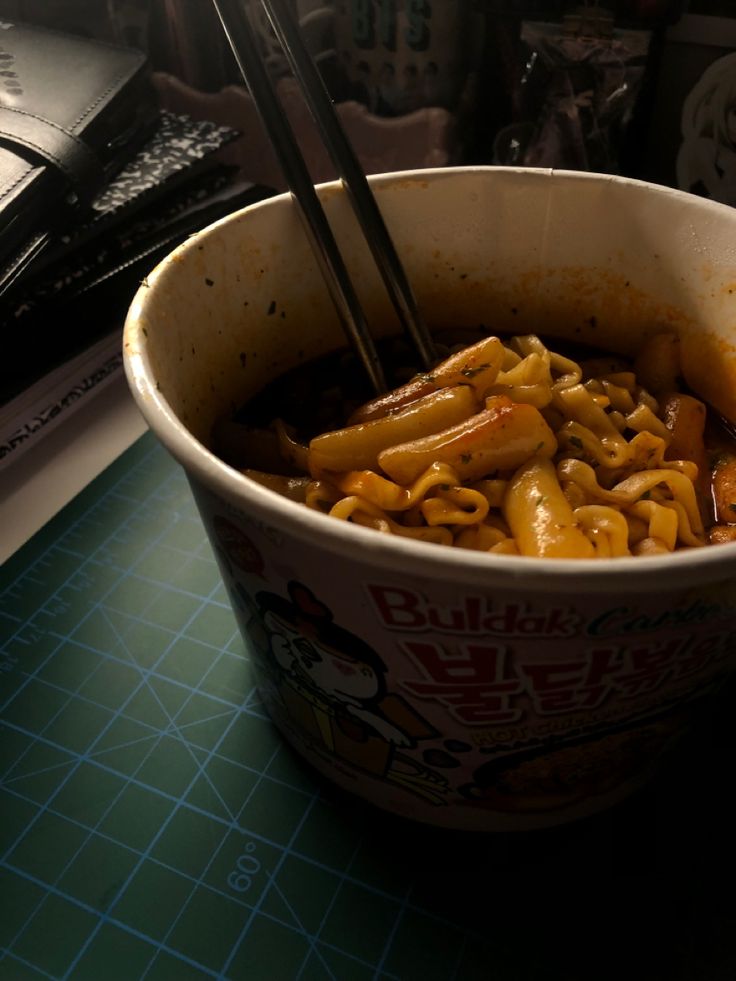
[[512, 448]]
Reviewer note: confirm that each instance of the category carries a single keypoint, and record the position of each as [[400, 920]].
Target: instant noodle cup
[[463, 689]]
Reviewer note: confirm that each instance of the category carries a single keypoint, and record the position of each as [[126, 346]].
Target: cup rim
[[657, 573]]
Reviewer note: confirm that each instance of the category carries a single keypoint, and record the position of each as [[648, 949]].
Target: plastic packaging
[[579, 84]]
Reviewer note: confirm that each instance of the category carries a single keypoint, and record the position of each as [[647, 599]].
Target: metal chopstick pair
[[241, 37]]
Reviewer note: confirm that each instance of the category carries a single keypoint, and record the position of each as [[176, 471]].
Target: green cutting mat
[[154, 825]]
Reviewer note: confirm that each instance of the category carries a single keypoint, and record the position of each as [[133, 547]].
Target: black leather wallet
[[72, 111]]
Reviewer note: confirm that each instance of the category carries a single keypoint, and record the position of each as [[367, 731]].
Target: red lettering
[[502, 622], [472, 704], [648, 667], [444, 619], [569, 686], [397, 607], [570, 699], [473, 609], [603, 662], [467, 664], [468, 681], [702, 653], [561, 624], [546, 677], [403, 609], [654, 658], [511, 620]]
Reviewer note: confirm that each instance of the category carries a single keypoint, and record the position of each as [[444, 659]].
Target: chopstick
[[239, 32], [351, 173]]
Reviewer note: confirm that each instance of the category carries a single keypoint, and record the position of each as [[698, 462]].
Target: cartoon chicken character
[[332, 687]]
